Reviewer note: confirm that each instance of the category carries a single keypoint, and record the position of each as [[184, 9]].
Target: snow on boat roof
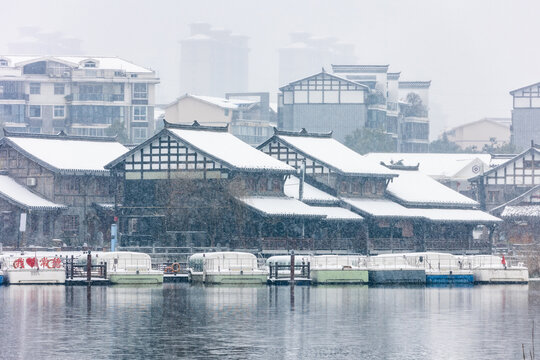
[[284, 206], [16, 193], [387, 208], [336, 155], [435, 165], [225, 147], [222, 254], [414, 187], [69, 154], [311, 193], [521, 211]]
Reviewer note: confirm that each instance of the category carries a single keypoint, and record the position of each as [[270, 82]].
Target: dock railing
[[80, 271], [282, 271]]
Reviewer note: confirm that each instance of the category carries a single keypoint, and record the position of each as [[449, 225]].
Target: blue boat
[[451, 278]]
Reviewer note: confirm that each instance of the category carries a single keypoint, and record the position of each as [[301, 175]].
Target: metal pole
[[292, 268], [89, 267]]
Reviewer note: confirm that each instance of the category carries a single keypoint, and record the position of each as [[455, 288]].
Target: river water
[[263, 322]]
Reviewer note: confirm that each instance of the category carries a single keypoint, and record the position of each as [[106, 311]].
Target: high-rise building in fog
[[307, 54], [213, 61], [33, 41]]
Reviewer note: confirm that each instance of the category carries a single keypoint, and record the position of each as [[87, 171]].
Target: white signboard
[[22, 224]]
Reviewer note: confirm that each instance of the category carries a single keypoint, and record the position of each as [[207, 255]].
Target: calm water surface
[[192, 322]]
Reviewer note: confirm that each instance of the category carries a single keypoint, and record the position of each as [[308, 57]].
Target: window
[[139, 113], [90, 64], [59, 89], [70, 222], [35, 88], [140, 91], [3, 62], [139, 134], [59, 112], [493, 196], [34, 111]]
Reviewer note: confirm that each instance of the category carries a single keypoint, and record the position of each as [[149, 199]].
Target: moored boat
[[32, 269], [394, 269], [441, 268], [339, 269], [226, 268], [496, 269], [130, 268]]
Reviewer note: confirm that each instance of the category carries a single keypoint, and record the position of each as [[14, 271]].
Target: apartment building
[[525, 116], [249, 116], [76, 94], [398, 107], [213, 61]]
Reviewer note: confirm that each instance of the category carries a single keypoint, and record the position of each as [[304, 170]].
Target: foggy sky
[[474, 52]]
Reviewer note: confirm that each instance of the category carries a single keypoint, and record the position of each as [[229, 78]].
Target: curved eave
[[461, 221], [29, 207], [52, 168], [344, 219]]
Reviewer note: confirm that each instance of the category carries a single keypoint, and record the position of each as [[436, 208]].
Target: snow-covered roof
[[521, 211], [285, 206], [438, 166], [311, 193], [457, 215], [69, 154], [380, 207], [338, 213], [335, 155], [416, 188], [386, 208], [102, 62], [227, 148], [281, 206], [217, 144], [17, 194], [230, 104]]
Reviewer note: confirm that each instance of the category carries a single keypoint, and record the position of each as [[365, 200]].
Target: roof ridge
[[60, 136], [303, 133], [195, 126]]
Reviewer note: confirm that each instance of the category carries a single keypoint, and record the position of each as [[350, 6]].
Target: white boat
[[441, 268], [492, 269], [394, 269], [129, 268], [226, 268], [33, 269], [339, 269]]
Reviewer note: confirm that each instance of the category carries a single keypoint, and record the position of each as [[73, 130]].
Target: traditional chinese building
[[509, 179], [403, 209], [521, 217], [60, 183], [193, 187]]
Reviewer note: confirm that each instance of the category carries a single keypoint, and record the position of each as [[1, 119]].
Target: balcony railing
[[95, 97], [13, 96]]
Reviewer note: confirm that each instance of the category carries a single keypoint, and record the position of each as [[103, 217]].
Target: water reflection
[[181, 320]]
